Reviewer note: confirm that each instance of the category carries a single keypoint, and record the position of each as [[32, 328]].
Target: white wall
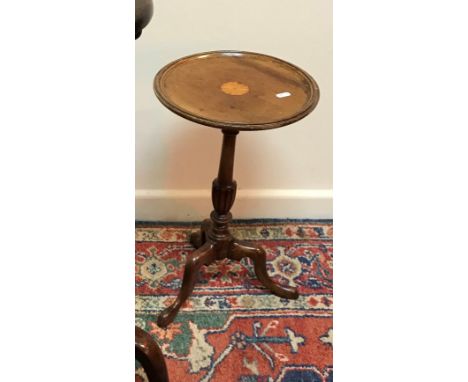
[[280, 173]]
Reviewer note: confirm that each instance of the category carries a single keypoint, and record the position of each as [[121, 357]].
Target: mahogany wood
[[236, 90], [214, 240], [149, 355], [233, 91]]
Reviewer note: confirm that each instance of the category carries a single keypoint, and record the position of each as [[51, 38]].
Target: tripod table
[[232, 91]]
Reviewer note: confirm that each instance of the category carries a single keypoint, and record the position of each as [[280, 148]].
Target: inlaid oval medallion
[[234, 88]]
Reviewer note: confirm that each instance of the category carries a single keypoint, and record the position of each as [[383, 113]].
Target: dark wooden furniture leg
[[202, 256], [197, 239], [215, 242], [240, 249], [149, 355]]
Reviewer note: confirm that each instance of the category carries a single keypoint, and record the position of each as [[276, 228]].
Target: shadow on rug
[[232, 329]]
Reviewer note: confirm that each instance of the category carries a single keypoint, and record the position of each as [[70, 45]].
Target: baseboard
[[195, 205]]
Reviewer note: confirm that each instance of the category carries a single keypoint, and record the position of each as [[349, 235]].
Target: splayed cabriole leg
[[197, 239], [202, 256], [241, 249]]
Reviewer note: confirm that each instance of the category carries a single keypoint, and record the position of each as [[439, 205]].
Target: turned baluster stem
[[226, 164], [224, 187]]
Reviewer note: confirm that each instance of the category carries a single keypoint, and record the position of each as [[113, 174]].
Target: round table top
[[238, 90]]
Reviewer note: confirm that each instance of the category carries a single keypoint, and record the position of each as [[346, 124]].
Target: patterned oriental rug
[[231, 328]]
